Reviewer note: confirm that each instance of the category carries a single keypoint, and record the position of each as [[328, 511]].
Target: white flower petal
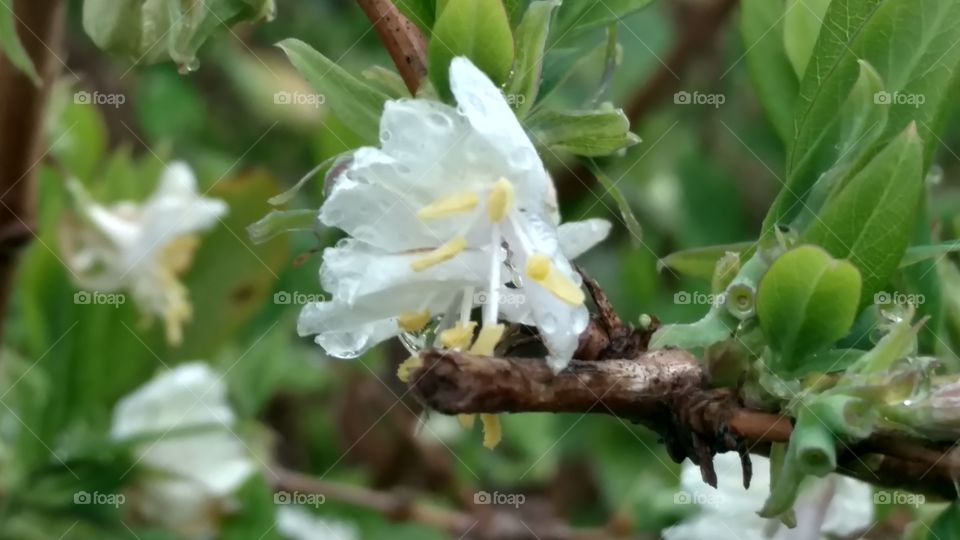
[[354, 269], [383, 218], [189, 395], [296, 523], [578, 237], [482, 103]]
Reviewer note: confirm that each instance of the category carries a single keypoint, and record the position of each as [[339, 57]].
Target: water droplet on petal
[[385, 136], [548, 323], [188, 67]]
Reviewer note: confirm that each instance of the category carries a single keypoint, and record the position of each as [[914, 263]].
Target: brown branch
[[697, 28], [39, 25], [402, 39], [482, 523], [665, 390]]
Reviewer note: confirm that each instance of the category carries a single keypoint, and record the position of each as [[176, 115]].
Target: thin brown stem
[[483, 522], [402, 39], [39, 25]]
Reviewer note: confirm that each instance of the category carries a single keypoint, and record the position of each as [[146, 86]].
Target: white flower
[[143, 248], [296, 523], [831, 506], [193, 458], [455, 202]]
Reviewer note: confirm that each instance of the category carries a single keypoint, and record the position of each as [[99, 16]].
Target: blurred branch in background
[[39, 25], [697, 26], [402, 39], [485, 523]]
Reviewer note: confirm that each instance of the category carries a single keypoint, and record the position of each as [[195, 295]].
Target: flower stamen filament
[[460, 203], [441, 254]]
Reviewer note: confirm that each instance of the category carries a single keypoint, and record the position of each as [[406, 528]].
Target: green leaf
[[575, 17], [387, 81], [353, 101], [801, 26], [232, 277], [531, 37], [870, 220], [912, 47], [584, 133], [806, 302], [10, 44], [629, 220], [947, 523], [477, 29], [701, 262], [114, 25], [917, 254], [776, 83], [420, 12]]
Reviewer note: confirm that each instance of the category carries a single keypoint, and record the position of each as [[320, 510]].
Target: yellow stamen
[[501, 200], [413, 321], [541, 270], [489, 337], [442, 254], [467, 420], [458, 337], [492, 433], [461, 203], [407, 367]]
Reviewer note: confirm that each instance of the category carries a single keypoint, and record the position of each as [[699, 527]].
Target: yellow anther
[[489, 337], [461, 203], [407, 367], [413, 321], [541, 270], [492, 432], [467, 420], [443, 253], [501, 200], [458, 337]]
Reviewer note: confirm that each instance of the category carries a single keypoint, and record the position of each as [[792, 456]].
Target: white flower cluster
[[454, 210], [143, 248]]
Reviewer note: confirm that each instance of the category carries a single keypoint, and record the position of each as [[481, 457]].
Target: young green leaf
[[420, 12], [917, 254], [947, 523], [806, 302], [630, 220], [701, 262], [913, 50], [801, 26], [114, 25], [531, 35], [11, 47], [355, 102], [584, 133], [578, 16], [477, 29], [776, 83], [870, 220]]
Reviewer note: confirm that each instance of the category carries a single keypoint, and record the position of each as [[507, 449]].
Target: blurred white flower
[[193, 460], [300, 524], [455, 209], [834, 506], [143, 247]]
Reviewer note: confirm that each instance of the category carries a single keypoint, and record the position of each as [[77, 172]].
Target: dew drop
[[386, 135], [548, 324], [188, 67]]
